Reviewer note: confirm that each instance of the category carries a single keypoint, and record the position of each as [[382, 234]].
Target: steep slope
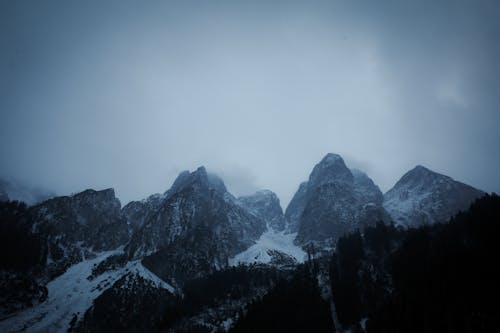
[[197, 227], [275, 246], [138, 212], [71, 294], [77, 226], [266, 205], [423, 196], [333, 202], [46, 240]]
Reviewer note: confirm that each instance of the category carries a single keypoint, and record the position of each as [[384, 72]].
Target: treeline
[[293, 305]]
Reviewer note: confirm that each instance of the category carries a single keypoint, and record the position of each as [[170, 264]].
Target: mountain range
[[78, 262]]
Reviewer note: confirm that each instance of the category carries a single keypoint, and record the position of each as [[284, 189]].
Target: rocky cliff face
[[333, 202], [197, 227], [266, 205], [77, 226], [423, 196], [138, 212]]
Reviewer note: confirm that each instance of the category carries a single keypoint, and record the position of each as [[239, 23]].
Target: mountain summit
[[334, 201], [193, 228], [423, 196]]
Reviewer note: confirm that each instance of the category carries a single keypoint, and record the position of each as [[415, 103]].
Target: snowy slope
[[270, 241], [72, 294]]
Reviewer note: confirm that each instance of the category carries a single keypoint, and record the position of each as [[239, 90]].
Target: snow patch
[[226, 324], [269, 240], [72, 294]]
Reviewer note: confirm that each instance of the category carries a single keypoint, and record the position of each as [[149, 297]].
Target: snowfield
[[269, 241], [71, 294]]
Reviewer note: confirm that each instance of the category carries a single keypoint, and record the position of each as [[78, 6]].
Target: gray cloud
[[126, 95]]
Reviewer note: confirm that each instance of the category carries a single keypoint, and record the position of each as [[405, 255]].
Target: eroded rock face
[[333, 202], [423, 196], [195, 229], [138, 212], [266, 205], [77, 226]]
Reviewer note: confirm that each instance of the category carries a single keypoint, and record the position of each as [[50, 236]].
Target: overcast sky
[[97, 94]]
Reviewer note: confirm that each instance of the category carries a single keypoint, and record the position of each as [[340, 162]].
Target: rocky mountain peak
[[419, 174], [423, 196], [199, 178], [331, 169], [334, 201]]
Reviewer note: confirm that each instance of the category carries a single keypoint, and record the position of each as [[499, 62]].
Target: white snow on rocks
[[270, 240], [72, 294]]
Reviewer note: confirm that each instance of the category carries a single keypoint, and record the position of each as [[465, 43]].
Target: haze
[[127, 94]]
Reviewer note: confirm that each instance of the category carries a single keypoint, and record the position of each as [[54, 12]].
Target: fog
[[127, 94]]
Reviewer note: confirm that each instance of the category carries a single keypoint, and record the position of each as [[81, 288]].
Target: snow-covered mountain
[[334, 201], [423, 196]]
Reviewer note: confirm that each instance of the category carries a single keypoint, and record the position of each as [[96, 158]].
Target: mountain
[[334, 201], [43, 247], [195, 229], [197, 259], [78, 226], [266, 205], [423, 196]]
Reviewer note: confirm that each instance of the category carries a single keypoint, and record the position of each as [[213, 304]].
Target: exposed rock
[[423, 196]]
